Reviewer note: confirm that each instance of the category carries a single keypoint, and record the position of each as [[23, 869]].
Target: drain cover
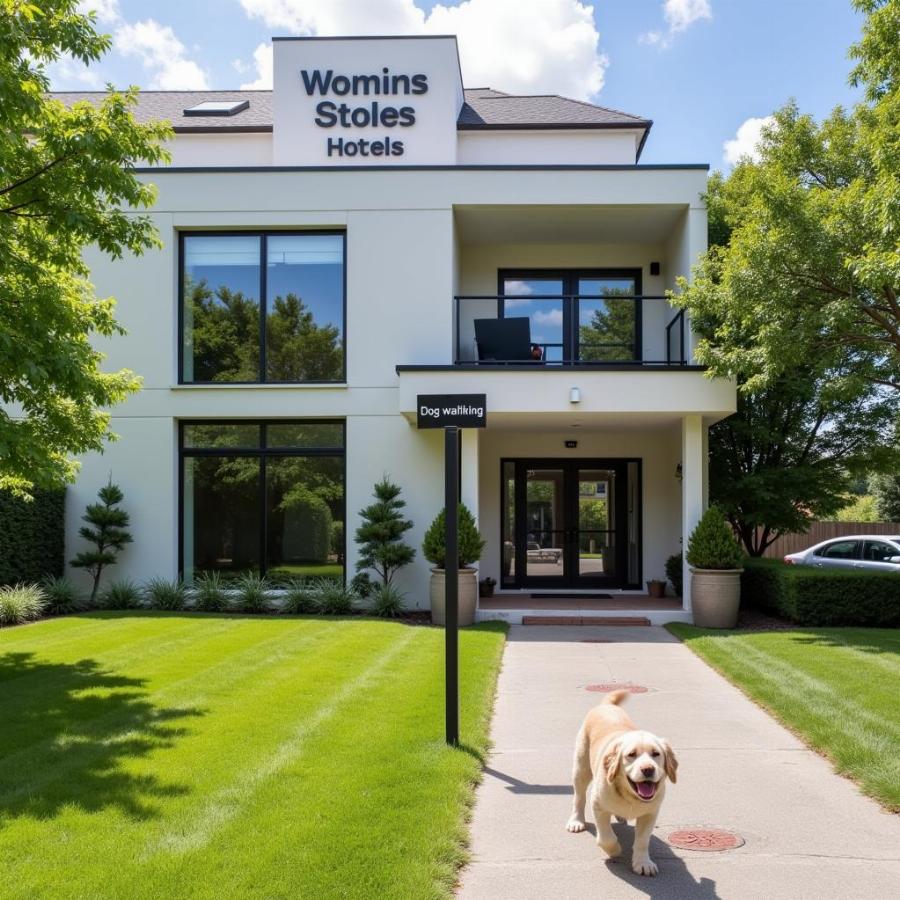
[[597, 641], [617, 686], [707, 839]]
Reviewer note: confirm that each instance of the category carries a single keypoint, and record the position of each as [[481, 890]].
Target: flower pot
[[485, 590], [468, 596], [656, 589], [715, 597]]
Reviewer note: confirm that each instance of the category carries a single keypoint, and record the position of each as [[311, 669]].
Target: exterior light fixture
[[574, 395], [679, 471]]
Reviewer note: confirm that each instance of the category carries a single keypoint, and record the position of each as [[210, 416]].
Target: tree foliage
[[380, 537], [812, 266], [885, 489], [67, 181], [107, 529]]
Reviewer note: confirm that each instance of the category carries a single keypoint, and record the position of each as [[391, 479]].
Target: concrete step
[[624, 621]]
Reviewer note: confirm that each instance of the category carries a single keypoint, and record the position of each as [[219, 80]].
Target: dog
[[629, 769]]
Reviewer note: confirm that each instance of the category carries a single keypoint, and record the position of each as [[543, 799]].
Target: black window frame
[[263, 236], [263, 453], [570, 279]]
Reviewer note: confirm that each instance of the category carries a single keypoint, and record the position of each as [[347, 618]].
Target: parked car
[[865, 552]]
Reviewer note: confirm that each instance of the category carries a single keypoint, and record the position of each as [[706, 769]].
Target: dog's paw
[[574, 825], [644, 866], [612, 849]]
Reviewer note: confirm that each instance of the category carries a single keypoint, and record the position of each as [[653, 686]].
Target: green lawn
[[837, 688], [155, 755]]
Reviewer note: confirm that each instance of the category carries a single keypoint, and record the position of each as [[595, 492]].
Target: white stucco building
[[370, 231]]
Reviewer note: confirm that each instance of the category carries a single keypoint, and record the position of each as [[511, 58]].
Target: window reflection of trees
[[609, 334]]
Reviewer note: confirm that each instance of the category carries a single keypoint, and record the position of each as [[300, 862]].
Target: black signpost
[[451, 412]]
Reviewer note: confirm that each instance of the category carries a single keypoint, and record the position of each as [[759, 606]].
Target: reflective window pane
[[607, 326], [596, 522], [305, 307], [545, 534], [508, 557], [221, 515], [535, 298], [220, 436], [304, 510], [221, 308], [305, 434]]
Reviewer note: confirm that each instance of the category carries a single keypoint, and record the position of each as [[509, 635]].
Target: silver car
[[866, 552]]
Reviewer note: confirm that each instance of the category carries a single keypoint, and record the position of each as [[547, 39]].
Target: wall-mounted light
[[571, 445], [654, 268], [679, 471], [574, 395]]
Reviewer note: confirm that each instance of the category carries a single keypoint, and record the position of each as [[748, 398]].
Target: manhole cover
[[707, 839], [617, 686], [597, 641]]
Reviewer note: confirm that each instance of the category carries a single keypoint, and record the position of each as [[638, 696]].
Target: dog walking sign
[[451, 412]]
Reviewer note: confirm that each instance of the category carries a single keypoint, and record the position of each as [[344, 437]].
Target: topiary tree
[[712, 544], [106, 530], [470, 542], [380, 537]]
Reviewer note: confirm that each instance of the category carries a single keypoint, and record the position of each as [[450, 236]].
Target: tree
[[107, 530], [812, 269], [380, 537], [67, 181], [885, 488]]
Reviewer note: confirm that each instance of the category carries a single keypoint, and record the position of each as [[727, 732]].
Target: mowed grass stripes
[[147, 755], [835, 687]]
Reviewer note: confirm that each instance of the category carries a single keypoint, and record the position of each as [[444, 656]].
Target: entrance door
[[570, 523]]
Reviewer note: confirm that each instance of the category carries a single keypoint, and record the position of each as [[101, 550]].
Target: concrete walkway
[[809, 833]]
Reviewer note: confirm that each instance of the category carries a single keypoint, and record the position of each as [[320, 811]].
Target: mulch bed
[[757, 620]]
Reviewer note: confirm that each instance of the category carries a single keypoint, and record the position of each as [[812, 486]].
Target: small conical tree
[[107, 530], [712, 544], [380, 537]]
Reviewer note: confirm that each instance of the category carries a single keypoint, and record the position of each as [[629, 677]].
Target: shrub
[[380, 536], [209, 592], [675, 573], [387, 601], [122, 594], [300, 598], [165, 594], [20, 603], [252, 594], [361, 585], [712, 544], [107, 530], [819, 597], [334, 598], [62, 596], [470, 541], [32, 536], [307, 527]]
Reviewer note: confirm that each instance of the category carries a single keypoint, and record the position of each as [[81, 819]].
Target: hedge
[[32, 536], [811, 596]]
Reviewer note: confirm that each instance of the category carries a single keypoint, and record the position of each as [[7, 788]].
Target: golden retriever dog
[[629, 769]]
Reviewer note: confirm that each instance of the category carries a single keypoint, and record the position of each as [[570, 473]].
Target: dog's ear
[[671, 761], [612, 760]]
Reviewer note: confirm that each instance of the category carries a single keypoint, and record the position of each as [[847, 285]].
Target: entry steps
[[623, 621]]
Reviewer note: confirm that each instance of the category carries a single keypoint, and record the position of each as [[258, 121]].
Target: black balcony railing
[[568, 330]]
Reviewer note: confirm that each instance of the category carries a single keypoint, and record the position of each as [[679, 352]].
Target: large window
[[262, 497], [262, 308]]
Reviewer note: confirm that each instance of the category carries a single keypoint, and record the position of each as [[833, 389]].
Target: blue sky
[[699, 68]]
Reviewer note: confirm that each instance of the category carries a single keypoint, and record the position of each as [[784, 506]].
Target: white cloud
[[679, 16], [552, 317], [68, 74], [524, 46], [162, 54], [262, 60], [107, 10], [746, 141]]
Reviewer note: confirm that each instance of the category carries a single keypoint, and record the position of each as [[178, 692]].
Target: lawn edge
[[674, 627]]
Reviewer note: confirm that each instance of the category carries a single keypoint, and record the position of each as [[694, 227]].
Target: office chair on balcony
[[506, 340]]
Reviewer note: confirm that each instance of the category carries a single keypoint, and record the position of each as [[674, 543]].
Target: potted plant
[[715, 559], [656, 588], [486, 587], [470, 545]]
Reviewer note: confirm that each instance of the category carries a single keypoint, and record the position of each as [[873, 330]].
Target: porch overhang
[[627, 393]]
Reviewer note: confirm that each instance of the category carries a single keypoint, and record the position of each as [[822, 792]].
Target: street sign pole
[[451, 581]]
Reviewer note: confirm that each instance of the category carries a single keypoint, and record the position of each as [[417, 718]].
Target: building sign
[[369, 101], [441, 410]]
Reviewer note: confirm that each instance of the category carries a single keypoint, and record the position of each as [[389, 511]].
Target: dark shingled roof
[[484, 109]]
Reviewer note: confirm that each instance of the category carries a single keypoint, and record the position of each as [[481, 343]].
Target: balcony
[[607, 330]]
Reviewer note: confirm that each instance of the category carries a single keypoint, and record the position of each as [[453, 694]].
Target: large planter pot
[[468, 596], [715, 597]]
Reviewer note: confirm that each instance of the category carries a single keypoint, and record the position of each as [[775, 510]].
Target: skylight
[[217, 108]]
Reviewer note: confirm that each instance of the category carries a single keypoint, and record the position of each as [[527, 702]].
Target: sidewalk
[[809, 833]]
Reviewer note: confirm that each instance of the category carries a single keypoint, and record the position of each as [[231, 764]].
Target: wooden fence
[[823, 531]]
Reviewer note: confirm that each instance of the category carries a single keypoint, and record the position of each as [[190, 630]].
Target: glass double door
[[570, 523]]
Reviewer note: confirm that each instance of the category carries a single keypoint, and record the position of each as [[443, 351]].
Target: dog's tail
[[615, 697]]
